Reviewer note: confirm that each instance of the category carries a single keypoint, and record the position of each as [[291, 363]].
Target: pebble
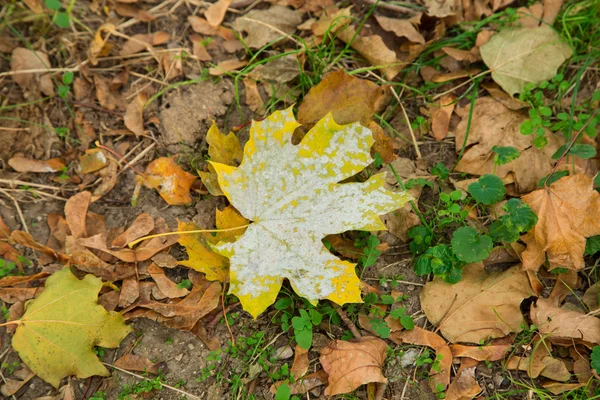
[[191, 346], [179, 357], [284, 352], [409, 357], [411, 288], [498, 380]]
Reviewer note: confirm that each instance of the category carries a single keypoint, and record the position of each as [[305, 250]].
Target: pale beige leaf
[[216, 12], [563, 326], [401, 28], [26, 59]]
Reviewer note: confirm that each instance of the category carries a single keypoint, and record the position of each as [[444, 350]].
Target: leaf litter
[[280, 53]]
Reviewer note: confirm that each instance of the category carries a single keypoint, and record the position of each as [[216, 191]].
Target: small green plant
[[169, 340], [60, 18], [184, 284], [145, 386], [467, 244], [10, 368], [6, 267], [595, 358], [378, 316], [303, 326], [98, 396]]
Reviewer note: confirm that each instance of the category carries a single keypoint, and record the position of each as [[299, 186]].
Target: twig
[[412, 133], [162, 384], [15, 182], [225, 316], [136, 158], [217, 318], [18, 209], [38, 192], [347, 321]]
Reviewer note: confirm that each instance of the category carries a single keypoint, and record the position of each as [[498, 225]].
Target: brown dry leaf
[[480, 306], [4, 229], [557, 388], [300, 364], [134, 114], [281, 70], [91, 161], [441, 9], [35, 6], [200, 25], [461, 55], [458, 74], [331, 21], [136, 362], [141, 226], [216, 12], [16, 280], [374, 50], [566, 212], [253, 99], [23, 59], [130, 292], [227, 66], [464, 386], [26, 240], [348, 98], [165, 285], [107, 97], [99, 46], [493, 124], [172, 63], [441, 113], [540, 362], [266, 26], [12, 386], [12, 295], [565, 285], [581, 367], [530, 17], [500, 95], [352, 364], [142, 41], [109, 179], [126, 10], [171, 181], [439, 376], [551, 10], [141, 253], [304, 384], [563, 326], [75, 213], [384, 145], [401, 28], [493, 352], [199, 50], [22, 164], [591, 298]]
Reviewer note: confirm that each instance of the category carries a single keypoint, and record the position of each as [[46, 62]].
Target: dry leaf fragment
[[464, 386], [266, 26], [134, 114], [551, 10], [136, 362], [300, 364], [492, 352], [165, 285], [567, 214], [107, 97], [141, 226], [216, 12], [480, 306], [130, 292], [280, 70], [401, 28], [348, 98], [171, 181], [304, 384], [563, 326], [460, 55], [384, 145], [142, 41], [75, 213], [227, 66], [198, 48], [91, 161], [526, 55], [253, 99], [500, 95], [440, 116], [22, 164], [492, 124], [127, 10], [99, 46], [23, 59], [352, 364], [557, 388], [439, 375], [200, 25], [441, 9], [12, 386]]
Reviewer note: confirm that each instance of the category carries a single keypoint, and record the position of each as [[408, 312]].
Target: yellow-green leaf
[[201, 257], [224, 149], [292, 195], [57, 334]]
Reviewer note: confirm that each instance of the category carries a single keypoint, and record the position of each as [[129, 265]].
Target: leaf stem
[[412, 203], [131, 244]]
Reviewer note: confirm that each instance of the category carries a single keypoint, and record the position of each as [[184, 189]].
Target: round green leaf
[[520, 215], [53, 4], [581, 150], [505, 154], [489, 189], [469, 246], [61, 19], [595, 356], [283, 392], [499, 232]]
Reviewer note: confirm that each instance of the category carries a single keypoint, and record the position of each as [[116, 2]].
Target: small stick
[[347, 321], [131, 244], [18, 209], [162, 384], [13, 182], [412, 133], [217, 318], [380, 391]]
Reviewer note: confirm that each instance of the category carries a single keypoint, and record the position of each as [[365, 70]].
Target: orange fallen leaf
[[464, 385], [143, 41], [441, 112], [352, 364], [439, 374], [348, 98], [165, 285], [171, 181], [227, 66], [216, 12], [100, 46], [480, 306], [198, 48], [22, 164], [253, 99], [92, 160], [567, 213], [142, 225], [300, 364]]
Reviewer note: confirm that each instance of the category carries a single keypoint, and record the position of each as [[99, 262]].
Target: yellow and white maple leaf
[[292, 195]]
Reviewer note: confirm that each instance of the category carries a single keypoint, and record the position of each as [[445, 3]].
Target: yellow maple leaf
[[292, 195], [224, 149], [201, 257]]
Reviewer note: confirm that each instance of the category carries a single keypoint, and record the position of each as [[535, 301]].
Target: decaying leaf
[[565, 326], [439, 375], [136, 362], [440, 116], [567, 213], [280, 70], [259, 25], [92, 160], [525, 55], [464, 386], [201, 257], [22, 164], [492, 352], [492, 124], [348, 98], [128, 10], [142, 225], [401, 28], [134, 114], [352, 364], [25, 59], [143, 41], [56, 336], [302, 202], [216, 12], [227, 66], [224, 149], [171, 181], [300, 364], [253, 98], [12, 386], [165, 285], [480, 306]]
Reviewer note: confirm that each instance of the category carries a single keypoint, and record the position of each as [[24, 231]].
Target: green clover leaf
[[489, 189], [469, 246]]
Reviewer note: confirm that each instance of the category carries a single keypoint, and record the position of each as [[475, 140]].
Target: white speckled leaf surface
[[292, 195]]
